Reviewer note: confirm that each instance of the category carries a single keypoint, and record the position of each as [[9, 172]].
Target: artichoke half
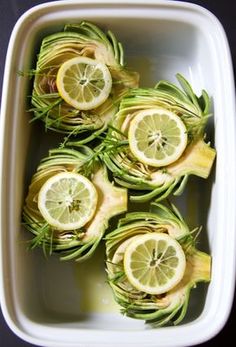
[[81, 243], [159, 182], [157, 310], [86, 40]]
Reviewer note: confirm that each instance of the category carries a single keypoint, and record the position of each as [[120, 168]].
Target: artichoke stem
[[200, 264], [197, 160]]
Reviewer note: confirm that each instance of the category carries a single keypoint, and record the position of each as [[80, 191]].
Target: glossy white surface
[[44, 301]]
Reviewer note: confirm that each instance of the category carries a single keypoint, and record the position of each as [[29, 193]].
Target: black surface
[[10, 11]]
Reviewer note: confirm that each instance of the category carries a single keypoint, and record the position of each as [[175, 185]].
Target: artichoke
[[86, 40], [159, 182], [72, 244], [171, 306]]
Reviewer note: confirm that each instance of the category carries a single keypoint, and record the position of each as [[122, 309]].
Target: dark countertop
[[10, 11]]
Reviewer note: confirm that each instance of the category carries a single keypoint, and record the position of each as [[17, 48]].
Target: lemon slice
[[157, 137], [119, 253], [67, 201], [84, 83], [154, 263]]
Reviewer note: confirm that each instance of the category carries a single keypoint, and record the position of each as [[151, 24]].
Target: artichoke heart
[[197, 158], [81, 243], [78, 40], [171, 306]]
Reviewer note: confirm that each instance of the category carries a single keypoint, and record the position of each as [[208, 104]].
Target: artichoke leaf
[[87, 40], [157, 310], [197, 158], [73, 244]]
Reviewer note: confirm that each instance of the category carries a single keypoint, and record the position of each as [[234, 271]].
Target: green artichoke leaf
[[159, 182], [160, 219], [78, 244], [83, 39], [169, 307]]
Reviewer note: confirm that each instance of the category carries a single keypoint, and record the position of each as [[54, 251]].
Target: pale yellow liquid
[[96, 294]]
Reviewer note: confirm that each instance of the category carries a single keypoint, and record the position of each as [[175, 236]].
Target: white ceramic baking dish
[[50, 303]]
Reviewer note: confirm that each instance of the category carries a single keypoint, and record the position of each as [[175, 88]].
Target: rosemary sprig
[[44, 238], [43, 112], [117, 277]]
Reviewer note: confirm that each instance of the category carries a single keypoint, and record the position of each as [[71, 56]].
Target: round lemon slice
[[67, 201], [157, 137], [84, 83], [154, 263]]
